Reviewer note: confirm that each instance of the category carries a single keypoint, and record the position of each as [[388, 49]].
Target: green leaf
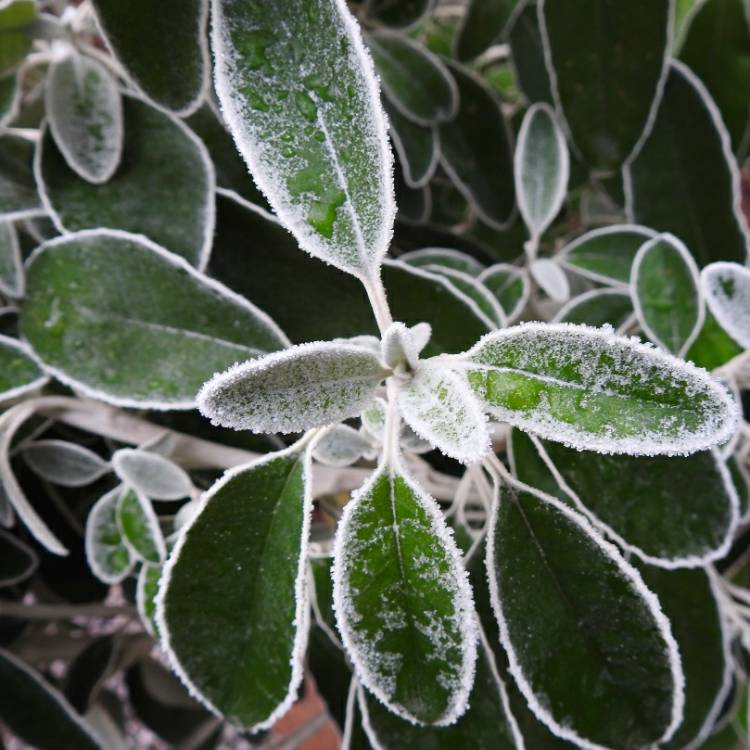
[[36, 713], [399, 13], [146, 590], [84, 111], [16, 20], [741, 482], [487, 724], [608, 87], [65, 463], [428, 257], [18, 194], [606, 255], [315, 142], [10, 96], [541, 168], [726, 288], [163, 189], [593, 390], [717, 50], [11, 267], [313, 301], [527, 54], [483, 22], [107, 555], [235, 630], [19, 371], [409, 629], [127, 322], [510, 285], [173, 75], [666, 295], [89, 669], [418, 148], [529, 466], [626, 688], [685, 179], [713, 347], [689, 599], [416, 81], [17, 561], [476, 150], [139, 527], [598, 307], [671, 511]]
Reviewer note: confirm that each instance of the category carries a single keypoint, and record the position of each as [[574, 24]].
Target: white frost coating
[[635, 274], [726, 147], [151, 474], [209, 206], [56, 696], [564, 256], [103, 517], [726, 288], [12, 282], [541, 169], [563, 342], [510, 273], [420, 334], [551, 278], [155, 537], [401, 345], [28, 551], [13, 110], [179, 263], [64, 463], [268, 170], [492, 312], [635, 580], [140, 599], [185, 514], [373, 418], [403, 157], [84, 111], [301, 594], [360, 650], [21, 390], [443, 256], [351, 705], [667, 563], [438, 404], [582, 299], [340, 445]]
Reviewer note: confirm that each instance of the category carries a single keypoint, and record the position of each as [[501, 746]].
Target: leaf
[[713, 347], [84, 111], [410, 629], [527, 54], [626, 689], [443, 256], [16, 19], [551, 279], [11, 267], [96, 298], [673, 512], [488, 723], [341, 445], [689, 600], [17, 560], [476, 150], [108, 557], [19, 372], [598, 307], [510, 285], [10, 96], [173, 75], [253, 525], [18, 195], [606, 255], [606, 90], [90, 668], [25, 697], [316, 143], [163, 189], [592, 390], [440, 407], [530, 466], [152, 475], [541, 168], [416, 81], [399, 13], [666, 294], [726, 287], [139, 527], [65, 463], [401, 346], [146, 591], [685, 179], [483, 23], [418, 148]]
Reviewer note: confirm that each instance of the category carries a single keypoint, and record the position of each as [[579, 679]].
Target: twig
[[62, 611]]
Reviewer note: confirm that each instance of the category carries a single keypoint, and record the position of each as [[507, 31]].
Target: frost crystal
[[726, 287]]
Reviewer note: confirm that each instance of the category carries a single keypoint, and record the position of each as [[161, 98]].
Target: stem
[[391, 434], [377, 296], [61, 611]]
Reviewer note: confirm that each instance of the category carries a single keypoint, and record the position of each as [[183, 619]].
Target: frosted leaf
[[726, 287], [368, 342], [11, 266], [84, 110], [510, 285], [541, 168], [303, 387], [300, 96], [151, 474], [20, 371], [402, 599], [443, 256], [139, 527], [592, 390], [551, 278], [64, 463], [438, 404], [373, 418], [145, 593], [340, 446], [411, 442], [402, 345], [107, 555], [186, 513], [599, 307]]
